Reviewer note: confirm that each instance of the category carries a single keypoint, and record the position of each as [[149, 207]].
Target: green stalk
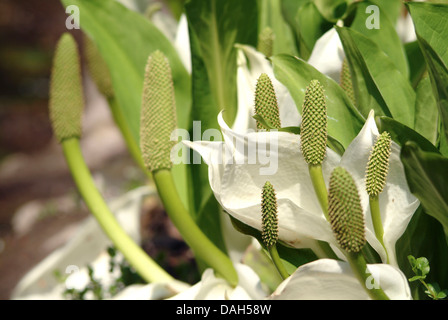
[[376, 219], [277, 262], [133, 253], [320, 188], [317, 178], [201, 245], [359, 267]]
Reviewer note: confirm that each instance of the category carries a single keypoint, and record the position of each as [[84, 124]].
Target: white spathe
[[251, 64], [237, 174], [328, 54], [213, 288], [328, 279]]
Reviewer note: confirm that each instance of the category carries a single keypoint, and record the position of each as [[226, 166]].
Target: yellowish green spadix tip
[[266, 42], [313, 132], [158, 113], [269, 215], [345, 211], [345, 81], [266, 102], [378, 165], [98, 68], [66, 93]]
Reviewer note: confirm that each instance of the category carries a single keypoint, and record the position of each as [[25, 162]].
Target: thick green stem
[[376, 220], [359, 267], [132, 252], [320, 188], [201, 245], [277, 262]]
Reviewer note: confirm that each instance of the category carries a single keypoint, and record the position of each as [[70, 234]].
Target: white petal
[[182, 43], [212, 288], [397, 204], [257, 157], [328, 54], [212, 153], [405, 28], [152, 291], [247, 80], [327, 279]]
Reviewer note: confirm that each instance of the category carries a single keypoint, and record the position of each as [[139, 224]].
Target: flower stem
[[201, 245], [133, 253], [277, 262], [377, 223], [320, 188], [359, 267]]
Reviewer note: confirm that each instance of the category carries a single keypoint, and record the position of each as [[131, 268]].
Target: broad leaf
[[310, 26], [377, 83], [427, 174], [417, 64], [125, 39], [402, 134], [271, 16], [215, 26], [431, 27], [290, 8], [385, 36], [426, 113], [431, 24], [391, 8]]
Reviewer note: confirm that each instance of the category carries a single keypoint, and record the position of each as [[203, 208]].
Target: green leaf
[[426, 112], [402, 134], [431, 27], [332, 10], [310, 26], [271, 16], [377, 83], [416, 61], [125, 39], [344, 121], [391, 8], [431, 24], [427, 174], [422, 238], [216, 26], [420, 266], [385, 37], [290, 8]]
